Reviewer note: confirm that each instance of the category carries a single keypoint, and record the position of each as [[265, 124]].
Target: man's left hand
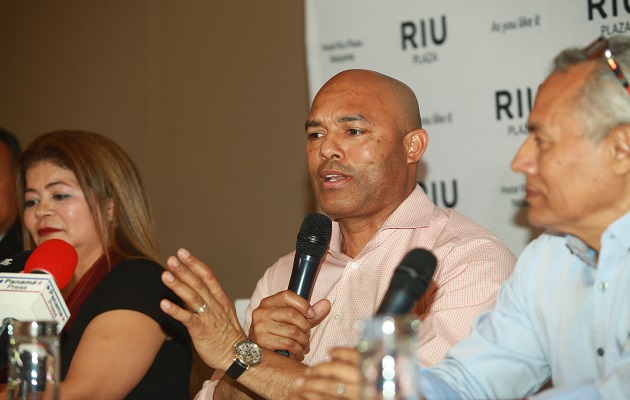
[[211, 318]]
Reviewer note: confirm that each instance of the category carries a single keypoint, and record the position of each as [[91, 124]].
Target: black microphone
[[310, 248], [411, 279], [312, 242]]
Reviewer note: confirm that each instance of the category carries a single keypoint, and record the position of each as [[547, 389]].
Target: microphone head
[[56, 257], [414, 272], [314, 235]]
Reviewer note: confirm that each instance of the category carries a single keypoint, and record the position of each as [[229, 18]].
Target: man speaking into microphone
[[364, 140], [562, 320]]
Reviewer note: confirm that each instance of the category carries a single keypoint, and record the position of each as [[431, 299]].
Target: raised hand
[[210, 318]]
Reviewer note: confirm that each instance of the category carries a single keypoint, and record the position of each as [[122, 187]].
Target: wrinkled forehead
[[558, 93]]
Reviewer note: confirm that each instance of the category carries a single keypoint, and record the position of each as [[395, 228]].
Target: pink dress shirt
[[472, 265]]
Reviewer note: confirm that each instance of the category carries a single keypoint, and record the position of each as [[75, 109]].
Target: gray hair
[[602, 103]]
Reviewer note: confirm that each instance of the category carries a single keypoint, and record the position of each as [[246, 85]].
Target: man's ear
[[620, 137], [415, 143]]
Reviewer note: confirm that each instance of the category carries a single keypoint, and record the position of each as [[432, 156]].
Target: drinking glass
[[388, 357], [34, 363]]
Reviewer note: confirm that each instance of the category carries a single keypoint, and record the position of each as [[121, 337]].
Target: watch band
[[236, 369]]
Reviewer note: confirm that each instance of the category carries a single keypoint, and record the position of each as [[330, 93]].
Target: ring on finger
[[341, 389], [200, 309]]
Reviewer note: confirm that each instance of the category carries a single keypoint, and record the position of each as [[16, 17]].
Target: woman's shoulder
[[139, 263], [136, 266], [133, 284], [130, 275]]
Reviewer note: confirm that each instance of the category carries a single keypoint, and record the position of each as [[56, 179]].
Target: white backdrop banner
[[475, 67]]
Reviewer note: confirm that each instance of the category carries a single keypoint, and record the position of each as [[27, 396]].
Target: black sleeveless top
[[136, 285]]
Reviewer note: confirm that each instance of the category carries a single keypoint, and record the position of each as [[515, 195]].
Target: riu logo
[[441, 197], [606, 8], [415, 35], [513, 104]]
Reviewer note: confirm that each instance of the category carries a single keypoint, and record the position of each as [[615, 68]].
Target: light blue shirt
[[563, 314]]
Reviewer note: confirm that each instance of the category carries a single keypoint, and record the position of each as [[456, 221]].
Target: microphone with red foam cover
[[33, 294], [35, 297], [55, 257]]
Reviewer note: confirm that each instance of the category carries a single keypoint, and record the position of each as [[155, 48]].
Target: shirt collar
[[582, 250], [414, 212], [618, 231]]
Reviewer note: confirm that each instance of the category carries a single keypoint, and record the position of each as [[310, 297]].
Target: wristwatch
[[246, 354]]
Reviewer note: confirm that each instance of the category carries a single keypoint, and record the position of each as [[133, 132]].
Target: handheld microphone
[[55, 257], [311, 245], [411, 279], [35, 295]]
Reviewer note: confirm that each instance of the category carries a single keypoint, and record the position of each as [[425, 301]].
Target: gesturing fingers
[[183, 316], [201, 271], [208, 313], [195, 302], [185, 285]]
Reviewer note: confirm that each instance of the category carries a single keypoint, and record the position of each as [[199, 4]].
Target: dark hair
[[12, 142]]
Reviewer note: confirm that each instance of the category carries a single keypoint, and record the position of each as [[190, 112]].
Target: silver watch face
[[248, 352]]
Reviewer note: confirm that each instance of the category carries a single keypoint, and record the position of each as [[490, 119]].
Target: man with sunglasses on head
[[563, 318]]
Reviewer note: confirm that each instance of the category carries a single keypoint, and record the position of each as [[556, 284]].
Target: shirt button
[[600, 352], [338, 316], [354, 265], [603, 286]]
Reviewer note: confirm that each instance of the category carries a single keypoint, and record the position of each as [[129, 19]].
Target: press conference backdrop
[[475, 67]]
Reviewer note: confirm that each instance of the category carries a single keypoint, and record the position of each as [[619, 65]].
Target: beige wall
[[208, 97]]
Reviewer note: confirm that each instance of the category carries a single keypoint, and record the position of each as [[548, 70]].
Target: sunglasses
[[601, 47]]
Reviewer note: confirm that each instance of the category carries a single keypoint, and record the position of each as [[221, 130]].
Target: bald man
[[562, 320], [364, 140]]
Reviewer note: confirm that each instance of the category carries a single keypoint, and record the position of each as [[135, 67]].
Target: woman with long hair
[[81, 187]]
